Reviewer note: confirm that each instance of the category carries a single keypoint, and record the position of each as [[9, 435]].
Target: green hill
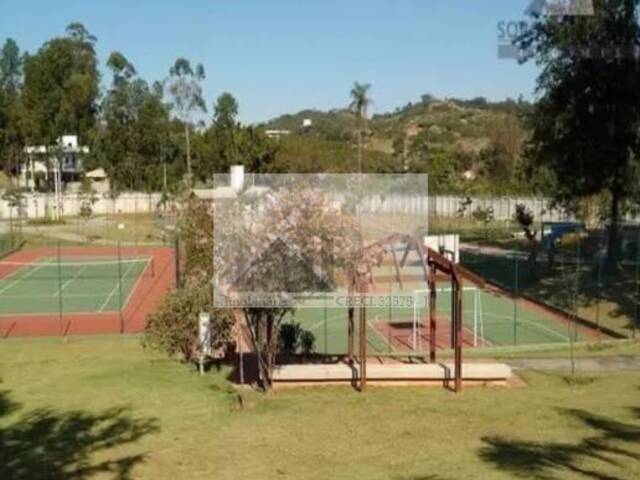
[[470, 146]]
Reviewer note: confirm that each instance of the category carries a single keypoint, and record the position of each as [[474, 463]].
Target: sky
[[282, 56]]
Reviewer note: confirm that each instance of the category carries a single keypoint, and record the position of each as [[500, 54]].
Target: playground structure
[[490, 317], [355, 367], [341, 228], [435, 267]]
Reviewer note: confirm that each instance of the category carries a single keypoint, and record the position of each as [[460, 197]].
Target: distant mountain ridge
[[453, 124], [467, 146]]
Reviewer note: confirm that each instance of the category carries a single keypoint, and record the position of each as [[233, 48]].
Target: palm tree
[[360, 102]]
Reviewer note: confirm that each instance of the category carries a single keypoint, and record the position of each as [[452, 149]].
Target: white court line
[[66, 284], [18, 280], [68, 295], [529, 322], [135, 285], [377, 319], [319, 323], [115, 289]]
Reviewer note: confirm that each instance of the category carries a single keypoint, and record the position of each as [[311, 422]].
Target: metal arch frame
[[435, 266]]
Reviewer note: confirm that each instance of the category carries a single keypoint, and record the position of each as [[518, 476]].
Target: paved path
[[495, 251], [78, 238], [593, 364]]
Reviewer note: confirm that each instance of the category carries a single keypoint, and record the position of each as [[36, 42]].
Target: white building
[[63, 161], [276, 134]]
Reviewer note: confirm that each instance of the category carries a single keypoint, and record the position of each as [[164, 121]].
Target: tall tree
[[133, 140], [117, 143], [10, 67], [225, 110], [360, 102], [61, 87], [186, 91], [11, 74], [227, 142], [586, 123]]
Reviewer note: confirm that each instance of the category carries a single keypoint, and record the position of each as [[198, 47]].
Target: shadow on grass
[[421, 477], [609, 448], [45, 444]]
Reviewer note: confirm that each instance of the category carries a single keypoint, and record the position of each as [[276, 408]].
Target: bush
[[289, 337], [293, 338], [46, 221], [307, 342], [173, 329]]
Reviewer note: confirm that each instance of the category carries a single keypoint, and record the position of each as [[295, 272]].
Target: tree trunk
[[270, 353], [532, 259], [260, 326], [612, 241], [188, 145], [359, 150]]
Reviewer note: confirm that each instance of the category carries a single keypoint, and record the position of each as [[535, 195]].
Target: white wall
[[440, 205], [447, 206], [35, 205]]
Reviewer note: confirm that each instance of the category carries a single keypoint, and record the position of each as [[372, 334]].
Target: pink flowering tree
[[276, 248]]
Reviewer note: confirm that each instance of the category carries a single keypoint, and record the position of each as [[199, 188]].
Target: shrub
[[46, 221], [173, 329], [307, 342], [289, 337]]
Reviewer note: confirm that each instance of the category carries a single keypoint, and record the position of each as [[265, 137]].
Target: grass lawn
[[605, 348], [99, 229], [142, 227], [104, 408]]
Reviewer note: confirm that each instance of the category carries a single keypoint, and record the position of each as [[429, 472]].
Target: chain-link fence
[[554, 285], [131, 219], [64, 289], [572, 272]]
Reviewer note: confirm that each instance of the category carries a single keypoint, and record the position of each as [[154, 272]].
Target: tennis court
[[50, 285], [491, 318], [83, 290]]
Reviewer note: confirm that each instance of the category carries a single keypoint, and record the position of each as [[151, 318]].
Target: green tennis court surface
[[70, 285], [489, 320]]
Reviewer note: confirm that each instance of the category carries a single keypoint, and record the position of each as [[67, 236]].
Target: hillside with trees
[[468, 146], [161, 134]]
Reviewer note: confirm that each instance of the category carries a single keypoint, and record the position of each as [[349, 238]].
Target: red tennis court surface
[[143, 299], [400, 335]]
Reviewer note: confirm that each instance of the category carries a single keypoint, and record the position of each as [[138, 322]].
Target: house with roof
[[61, 162]]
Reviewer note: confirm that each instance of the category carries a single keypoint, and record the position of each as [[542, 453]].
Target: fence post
[[60, 305], [515, 304], [636, 322], [176, 257], [120, 289], [599, 293]]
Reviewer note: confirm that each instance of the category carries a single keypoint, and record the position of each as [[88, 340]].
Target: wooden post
[[350, 332], [458, 344], [397, 268], [270, 352], [454, 305], [363, 347], [432, 315]]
